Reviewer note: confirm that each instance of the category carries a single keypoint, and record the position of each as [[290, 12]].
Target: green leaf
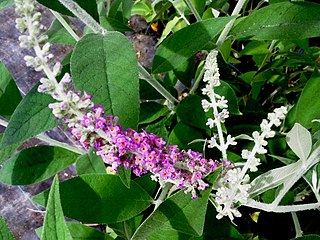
[[190, 111], [58, 34], [300, 141], [183, 134], [309, 237], [31, 117], [7, 152], [183, 44], [106, 66], [178, 214], [147, 183], [6, 3], [127, 228], [82, 232], [220, 229], [9, 93], [90, 163], [226, 90], [5, 233], [35, 164], [54, 226], [285, 20], [89, 6], [125, 176], [151, 111], [305, 112], [100, 198]]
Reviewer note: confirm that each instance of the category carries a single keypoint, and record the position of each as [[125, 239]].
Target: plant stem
[[296, 223], [65, 25], [50, 141], [96, 27], [197, 82], [281, 209], [143, 74], [83, 16], [268, 54], [193, 9], [163, 195], [228, 27]]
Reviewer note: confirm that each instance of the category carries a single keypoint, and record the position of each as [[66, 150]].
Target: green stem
[[193, 9], [65, 25], [50, 141], [296, 223], [268, 54], [228, 27], [163, 195], [197, 82], [155, 84]]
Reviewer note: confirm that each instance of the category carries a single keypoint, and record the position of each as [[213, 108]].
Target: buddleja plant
[[134, 176]]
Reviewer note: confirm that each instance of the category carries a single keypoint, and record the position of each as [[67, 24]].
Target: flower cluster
[[234, 183], [89, 124], [218, 104]]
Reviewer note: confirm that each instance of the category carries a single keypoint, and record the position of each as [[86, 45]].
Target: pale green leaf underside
[[300, 141]]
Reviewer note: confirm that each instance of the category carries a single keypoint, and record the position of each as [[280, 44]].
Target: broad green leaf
[[125, 176], [304, 111], [220, 229], [151, 111], [285, 20], [199, 5], [159, 128], [106, 66], [100, 198], [300, 141], [185, 72], [90, 163], [31, 117], [54, 226], [190, 111], [147, 183], [145, 9], [226, 90], [127, 228], [178, 214], [183, 44], [182, 134], [273, 178], [82, 232], [5, 233], [9, 93], [58, 34], [89, 6], [35, 164], [6, 152]]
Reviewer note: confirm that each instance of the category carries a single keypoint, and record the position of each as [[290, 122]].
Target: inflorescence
[[89, 124]]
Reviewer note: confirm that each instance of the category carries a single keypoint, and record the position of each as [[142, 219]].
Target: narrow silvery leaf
[[300, 141], [273, 178]]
